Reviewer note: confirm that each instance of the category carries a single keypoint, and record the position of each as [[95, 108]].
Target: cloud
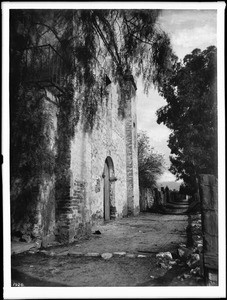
[[167, 176], [186, 40], [194, 37], [185, 18], [190, 29], [146, 115]]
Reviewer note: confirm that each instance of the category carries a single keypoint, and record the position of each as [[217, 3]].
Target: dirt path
[[131, 244], [147, 232]]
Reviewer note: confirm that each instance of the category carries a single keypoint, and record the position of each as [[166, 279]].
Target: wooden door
[[106, 192]]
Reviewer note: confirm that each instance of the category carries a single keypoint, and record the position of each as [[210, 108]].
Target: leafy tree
[[191, 114], [151, 164]]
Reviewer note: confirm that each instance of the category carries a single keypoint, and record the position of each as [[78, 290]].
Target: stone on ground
[[119, 253], [93, 254], [164, 255], [64, 253], [75, 253], [106, 255], [131, 255], [184, 252]]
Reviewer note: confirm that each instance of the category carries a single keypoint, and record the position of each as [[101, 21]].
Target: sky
[[188, 29]]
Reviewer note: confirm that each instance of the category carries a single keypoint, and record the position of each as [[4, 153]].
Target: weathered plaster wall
[[45, 210], [114, 137], [89, 152], [37, 204], [72, 200]]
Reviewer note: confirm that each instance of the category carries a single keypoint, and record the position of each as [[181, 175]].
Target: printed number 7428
[[18, 284]]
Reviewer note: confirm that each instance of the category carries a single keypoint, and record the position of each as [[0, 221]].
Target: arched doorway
[[109, 179]]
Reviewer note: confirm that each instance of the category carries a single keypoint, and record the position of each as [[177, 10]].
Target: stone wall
[[132, 153], [208, 189], [152, 199]]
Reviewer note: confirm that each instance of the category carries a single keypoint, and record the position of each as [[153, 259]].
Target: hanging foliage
[[89, 39], [91, 44]]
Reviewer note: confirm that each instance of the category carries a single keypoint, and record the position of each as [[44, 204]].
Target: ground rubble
[[188, 257]]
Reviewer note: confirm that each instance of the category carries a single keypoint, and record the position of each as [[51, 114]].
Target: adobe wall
[[113, 137], [45, 222], [38, 206], [88, 154], [72, 200]]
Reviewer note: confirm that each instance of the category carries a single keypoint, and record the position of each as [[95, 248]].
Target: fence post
[[208, 188]]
